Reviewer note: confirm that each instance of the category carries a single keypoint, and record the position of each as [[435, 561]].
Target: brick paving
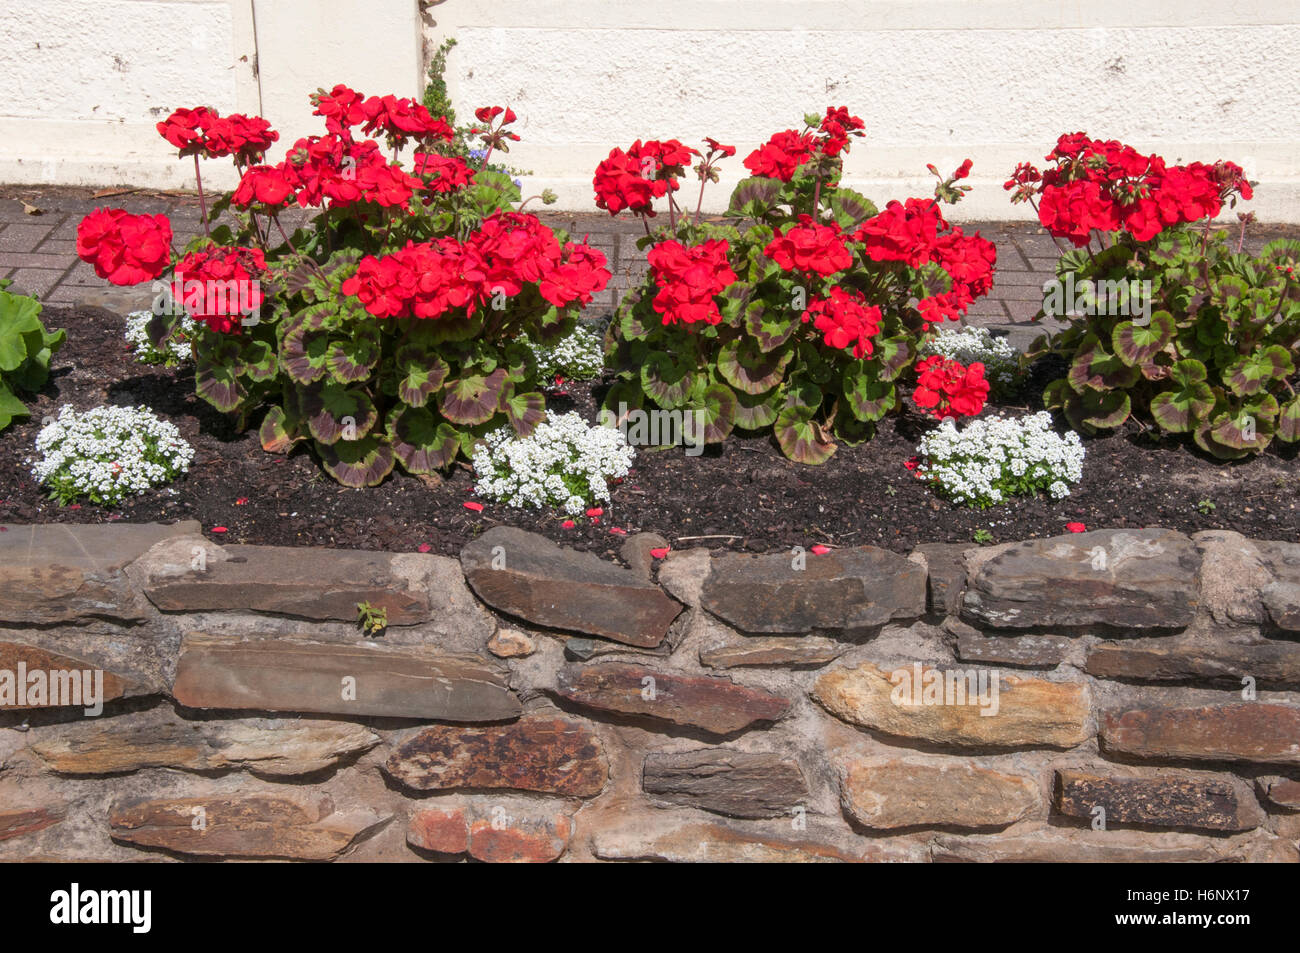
[[38, 252]]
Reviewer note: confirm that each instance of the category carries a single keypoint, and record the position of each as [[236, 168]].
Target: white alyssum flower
[[108, 453], [578, 356], [174, 350], [969, 344], [998, 457], [565, 462]]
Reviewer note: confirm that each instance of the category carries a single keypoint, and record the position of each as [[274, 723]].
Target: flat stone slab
[[711, 703], [331, 678], [31, 677], [283, 827], [306, 583], [735, 783], [1129, 579], [265, 747], [29, 820], [68, 572], [529, 577], [930, 704], [1091, 847], [1280, 597], [498, 838], [842, 591], [1022, 651], [1167, 799], [1274, 664], [1283, 792], [777, 651], [946, 576], [912, 793], [537, 753], [674, 842], [1253, 732]]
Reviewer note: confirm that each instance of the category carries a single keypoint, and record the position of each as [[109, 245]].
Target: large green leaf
[[755, 196], [770, 327], [1180, 409], [1093, 369], [748, 369], [10, 407], [335, 413], [755, 412], [357, 463], [473, 398], [421, 442], [524, 410], [801, 438], [421, 374], [19, 315], [1137, 344], [667, 378], [868, 398], [1252, 374], [715, 406]]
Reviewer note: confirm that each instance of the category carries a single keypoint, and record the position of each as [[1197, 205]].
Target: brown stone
[[306, 583], [1283, 792], [1166, 799], [1128, 579], [1233, 572], [1075, 847], [734, 783], [945, 576], [674, 842], [1023, 651], [510, 643], [287, 827], [1280, 598], [293, 675], [710, 703], [159, 739], [900, 793], [1253, 732], [529, 840], [68, 681], [1029, 712], [528, 576], [635, 552], [1273, 664], [29, 820], [536, 753], [784, 651], [847, 590], [443, 832], [68, 572]]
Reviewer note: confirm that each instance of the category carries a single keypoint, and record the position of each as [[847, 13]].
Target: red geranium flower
[[780, 156], [810, 248], [125, 249], [947, 388]]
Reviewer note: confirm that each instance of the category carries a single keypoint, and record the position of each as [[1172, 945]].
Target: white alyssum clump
[[108, 453], [970, 344], [565, 462], [578, 356], [174, 350], [998, 457]]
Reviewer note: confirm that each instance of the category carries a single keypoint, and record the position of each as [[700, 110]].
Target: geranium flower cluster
[[634, 178], [400, 120], [108, 453], [220, 286], [782, 155], [565, 462], [1107, 186], [845, 320], [810, 248], [688, 278], [125, 249], [203, 131], [948, 388], [993, 459], [508, 251]]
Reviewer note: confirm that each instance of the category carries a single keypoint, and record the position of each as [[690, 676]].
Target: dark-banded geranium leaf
[[667, 378], [1249, 428], [1288, 421], [735, 297], [1136, 344], [801, 438], [755, 412], [932, 280], [472, 398], [525, 411], [750, 370], [632, 325], [216, 377], [352, 359], [423, 444], [850, 430], [895, 356], [713, 409], [1154, 372], [336, 413], [519, 361], [1180, 409], [257, 360], [1096, 410], [304, 353], [769, 327], [850, 208], [279, 431], [1252, 374], [624, 397], [1094, 369], [755, 196], [802, 394], [357, 463], [160, 328], [868, 399], [419, 374]]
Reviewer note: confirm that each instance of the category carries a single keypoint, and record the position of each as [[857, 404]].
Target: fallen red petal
[[820, 550], [476, 507], [618, 532], [659, 553], [219, 529], [423, 548], [595, 511], [568, 524]]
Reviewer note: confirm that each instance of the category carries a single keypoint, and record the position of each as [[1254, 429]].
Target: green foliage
[[372, 619], [25, 351], [1210, 354], [436, 98]]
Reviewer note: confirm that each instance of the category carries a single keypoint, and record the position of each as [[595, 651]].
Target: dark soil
[[741, 495]]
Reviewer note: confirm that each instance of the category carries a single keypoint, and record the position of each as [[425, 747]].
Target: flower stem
[[203, 202]]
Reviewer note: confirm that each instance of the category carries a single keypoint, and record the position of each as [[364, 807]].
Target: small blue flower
[[477, 154]]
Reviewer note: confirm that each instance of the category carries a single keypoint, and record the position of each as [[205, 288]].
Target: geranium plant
[[804, 310], [390, 329], [1168, 321]]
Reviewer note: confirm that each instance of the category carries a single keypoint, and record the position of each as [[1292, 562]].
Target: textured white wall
[[935, 80]]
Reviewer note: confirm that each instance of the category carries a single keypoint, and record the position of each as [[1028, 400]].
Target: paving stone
[[1282, 792], [440, 831], [1092, 847], [674, 842], [945, 576], [363, 679], [31, 677], [520, 840]]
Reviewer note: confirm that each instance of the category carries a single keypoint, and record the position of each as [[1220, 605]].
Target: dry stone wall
[[1110, 695]]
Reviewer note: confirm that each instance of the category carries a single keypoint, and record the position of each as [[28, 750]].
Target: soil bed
[[741, 495]]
